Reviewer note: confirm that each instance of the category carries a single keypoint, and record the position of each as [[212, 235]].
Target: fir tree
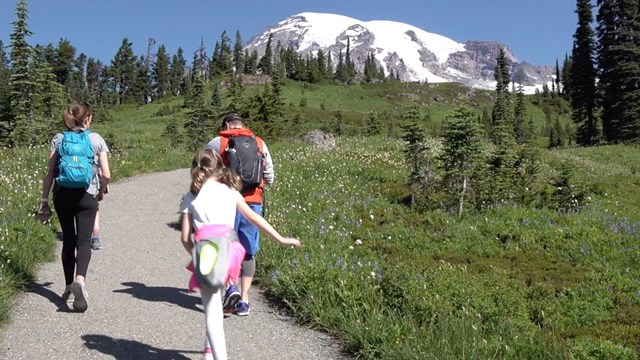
[[520, 128], [374, 123], [177, 73], [200, 122], [583, 77], [460, 155], [266, 62], [5, 98], [123, 71], [501, 117], [238, 55], [22, 83], [63, 62], [413, 136], [619, 64], [565, 83], [161, 73]]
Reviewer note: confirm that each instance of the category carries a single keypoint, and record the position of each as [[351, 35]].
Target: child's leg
[[212, 301]]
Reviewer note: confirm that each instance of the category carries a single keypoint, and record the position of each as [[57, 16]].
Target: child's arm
[[185, 233], [263, 225]]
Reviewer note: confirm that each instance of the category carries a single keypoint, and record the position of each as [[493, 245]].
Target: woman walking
[[76, 157]]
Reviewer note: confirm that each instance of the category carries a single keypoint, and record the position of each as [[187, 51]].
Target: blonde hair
[[205, 164], [74, 117]]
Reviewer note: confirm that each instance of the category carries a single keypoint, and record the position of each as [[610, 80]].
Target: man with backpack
[[247, 154]]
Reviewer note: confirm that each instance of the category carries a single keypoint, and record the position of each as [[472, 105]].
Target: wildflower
[[358, 242], [371, 216], [350, 247]]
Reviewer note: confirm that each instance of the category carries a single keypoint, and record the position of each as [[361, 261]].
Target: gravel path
[[139, 307]]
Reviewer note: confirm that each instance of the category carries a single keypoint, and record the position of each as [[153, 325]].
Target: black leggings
[[76, 211]]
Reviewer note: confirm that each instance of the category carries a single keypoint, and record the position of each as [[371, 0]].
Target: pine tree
[[266, 62], [583, 77], [161, 73], [413, 136], [566, 78], [238, 55], [21, 82], [462, 141], [63, 63], [618, 32], [557, 79], [501, 117], [520, 127], [94, 76], [123, 71], [5, 98], [200, 121], [374, 123], [49, 98], [177, 73], [322, 65]]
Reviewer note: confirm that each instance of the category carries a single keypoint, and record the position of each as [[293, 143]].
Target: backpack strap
[[224, 142]]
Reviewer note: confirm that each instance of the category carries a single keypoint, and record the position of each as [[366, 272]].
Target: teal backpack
[[75, 160]]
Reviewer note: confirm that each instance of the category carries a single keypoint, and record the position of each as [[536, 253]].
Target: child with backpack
[[75, 156], [210, 207]]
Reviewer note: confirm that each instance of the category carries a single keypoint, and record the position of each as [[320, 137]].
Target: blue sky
[[536, 31]]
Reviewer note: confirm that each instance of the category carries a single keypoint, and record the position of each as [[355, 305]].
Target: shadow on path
[[130, 349], [166, 294], [44, 291]]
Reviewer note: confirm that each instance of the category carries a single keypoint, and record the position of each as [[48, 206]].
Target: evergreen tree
[[123, 71], [200, 121], [201, 66], [520, 128], [342, 70], [583, 77], [94, 75], [413, 136], [141, 91], [5, 98], [21, 81], [557, 79], [177, 73], [350, 66], [63, 65], [251, 64], [566, 78], [161, 73], [374, 123], [460, 155], [322, 65], [266, 62], [238, 55], [49, 98], [501, 117], [619, 64]]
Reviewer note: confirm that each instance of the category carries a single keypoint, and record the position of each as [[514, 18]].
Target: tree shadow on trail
[[45, 291], [122, 349], [166, 294]]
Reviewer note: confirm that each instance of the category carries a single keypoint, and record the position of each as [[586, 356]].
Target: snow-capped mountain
[[411, 53]]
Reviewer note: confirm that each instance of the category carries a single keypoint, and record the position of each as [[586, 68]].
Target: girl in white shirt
[[213, 200]]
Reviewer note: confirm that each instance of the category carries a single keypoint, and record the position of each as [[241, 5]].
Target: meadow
[[387, 280]]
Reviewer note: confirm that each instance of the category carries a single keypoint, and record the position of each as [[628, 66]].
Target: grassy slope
[[574, 277]]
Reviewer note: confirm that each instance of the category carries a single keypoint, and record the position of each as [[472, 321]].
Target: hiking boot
[[242, 308], [231, 297], [80, 296], [95, 243]]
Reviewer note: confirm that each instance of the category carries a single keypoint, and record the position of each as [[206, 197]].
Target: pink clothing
[[236, 254]]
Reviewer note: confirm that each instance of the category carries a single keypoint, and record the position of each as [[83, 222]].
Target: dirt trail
[[139, 307]]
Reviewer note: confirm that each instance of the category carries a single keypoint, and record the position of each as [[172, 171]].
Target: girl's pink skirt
[[236, 254]]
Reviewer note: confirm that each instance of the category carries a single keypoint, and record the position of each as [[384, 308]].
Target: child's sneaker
[[95, 243], [80, 296], [242, 308], [231, 297]]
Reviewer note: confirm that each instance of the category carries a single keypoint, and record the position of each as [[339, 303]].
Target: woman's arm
[[47, 181], [264, 225], [105, 174], [185, 233]]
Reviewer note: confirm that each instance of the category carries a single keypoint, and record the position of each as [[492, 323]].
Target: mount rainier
[[411, 53]]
